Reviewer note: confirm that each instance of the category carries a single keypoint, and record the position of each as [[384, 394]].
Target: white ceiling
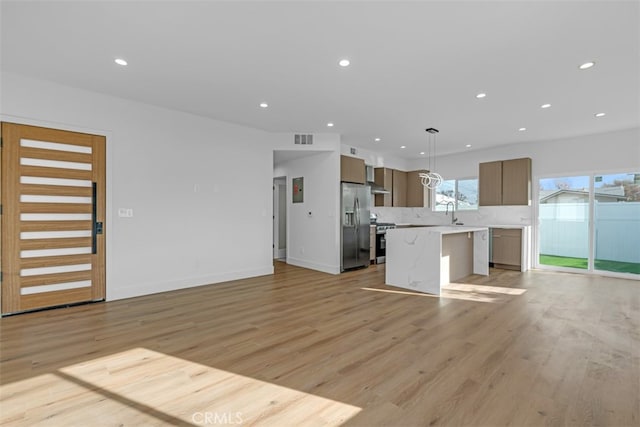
[[414, 64]]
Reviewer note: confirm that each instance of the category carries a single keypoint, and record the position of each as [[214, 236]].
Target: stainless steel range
[[381, 240]]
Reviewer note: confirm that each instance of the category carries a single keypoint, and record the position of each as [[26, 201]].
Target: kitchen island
[[425, 259]]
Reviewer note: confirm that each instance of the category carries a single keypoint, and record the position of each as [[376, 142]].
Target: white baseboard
[[314, 266], [128, 291]]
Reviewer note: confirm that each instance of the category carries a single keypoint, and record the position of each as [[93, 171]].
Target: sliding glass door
[[590, 222], [617, 222], [564, 221]]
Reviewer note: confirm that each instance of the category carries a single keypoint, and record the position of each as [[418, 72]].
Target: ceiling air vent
[[301, 139]]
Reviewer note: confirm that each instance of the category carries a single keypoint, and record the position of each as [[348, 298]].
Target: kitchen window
[[462, 192]]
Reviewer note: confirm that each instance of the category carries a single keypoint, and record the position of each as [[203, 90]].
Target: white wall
[[591, 153], [201, 189], [376, 159], [284, 141], [313, 241]]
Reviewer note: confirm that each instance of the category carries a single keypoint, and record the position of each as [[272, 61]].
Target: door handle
[[96, 227]]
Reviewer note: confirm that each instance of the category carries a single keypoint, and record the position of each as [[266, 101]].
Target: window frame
[[535, 248], [434, 205]]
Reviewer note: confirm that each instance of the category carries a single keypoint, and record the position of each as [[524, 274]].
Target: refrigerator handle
[[357, 225], [353, 215]]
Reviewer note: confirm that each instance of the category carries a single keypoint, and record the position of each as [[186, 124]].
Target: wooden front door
[[53, 210]]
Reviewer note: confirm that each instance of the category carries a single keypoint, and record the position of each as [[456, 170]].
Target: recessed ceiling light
[[422, 153], [403, 146], [263, 105], [522, 129], [377, 139], [587, 65], [481, 95], [344, 62], [545, 106], [120, 61], [468, 145], [600, 114], [330, 124]]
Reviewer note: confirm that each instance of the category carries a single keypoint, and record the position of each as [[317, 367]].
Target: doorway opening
[[280, 218]]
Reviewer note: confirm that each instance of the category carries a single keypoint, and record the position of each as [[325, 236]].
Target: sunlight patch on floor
[[145, 387], [463, 291], [470, 287], [54, 401], [390, 291], [480, 293]]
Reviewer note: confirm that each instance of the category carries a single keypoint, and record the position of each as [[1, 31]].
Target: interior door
[[53, 201]]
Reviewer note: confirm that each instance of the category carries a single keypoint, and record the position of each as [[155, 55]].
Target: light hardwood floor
[[306, 348]]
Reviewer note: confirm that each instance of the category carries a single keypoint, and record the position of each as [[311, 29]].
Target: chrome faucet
[[453, 212]]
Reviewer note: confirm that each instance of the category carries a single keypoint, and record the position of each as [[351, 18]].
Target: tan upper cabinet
[[352, 169], [399, 193], [406, 189], [417, 194], [516, 182], [505, 182], [384, 178], [490, 184]]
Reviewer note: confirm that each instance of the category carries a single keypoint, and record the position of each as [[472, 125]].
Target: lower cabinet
[[372, 243], [506, 246]]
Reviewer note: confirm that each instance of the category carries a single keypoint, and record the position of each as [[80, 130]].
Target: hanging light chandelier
[[431, 179]]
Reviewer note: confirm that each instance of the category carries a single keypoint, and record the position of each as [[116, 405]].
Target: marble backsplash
[[486, 215]]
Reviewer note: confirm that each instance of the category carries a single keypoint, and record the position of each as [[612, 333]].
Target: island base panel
[[457, 256]]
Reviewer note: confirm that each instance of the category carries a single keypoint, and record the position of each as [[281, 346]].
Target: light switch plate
[[125, 212]]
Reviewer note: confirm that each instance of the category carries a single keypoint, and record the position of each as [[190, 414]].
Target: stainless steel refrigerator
[[355, 209]]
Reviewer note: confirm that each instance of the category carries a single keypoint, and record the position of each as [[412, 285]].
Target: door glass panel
[[564, 222], [617, 222]]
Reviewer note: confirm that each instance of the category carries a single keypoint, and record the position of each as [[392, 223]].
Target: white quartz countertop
[[517, 226], [440, 229]]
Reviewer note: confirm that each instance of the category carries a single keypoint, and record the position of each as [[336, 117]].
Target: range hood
[[375, 188]]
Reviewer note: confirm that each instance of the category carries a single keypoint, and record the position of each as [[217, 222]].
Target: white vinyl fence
[[564, 230]]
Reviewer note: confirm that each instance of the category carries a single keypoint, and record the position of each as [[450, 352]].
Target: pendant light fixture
[[431, 179]]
